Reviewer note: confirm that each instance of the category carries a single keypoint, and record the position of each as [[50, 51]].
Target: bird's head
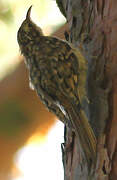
[[28, 31]]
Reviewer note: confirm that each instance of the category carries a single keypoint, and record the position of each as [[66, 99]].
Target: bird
[[57, 71]]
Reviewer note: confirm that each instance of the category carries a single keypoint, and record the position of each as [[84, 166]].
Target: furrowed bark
[[92, 28]]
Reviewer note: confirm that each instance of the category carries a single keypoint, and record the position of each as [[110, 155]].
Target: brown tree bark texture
[[93, 28]]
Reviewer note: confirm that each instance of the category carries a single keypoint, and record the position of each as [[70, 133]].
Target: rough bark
[[92, 28]]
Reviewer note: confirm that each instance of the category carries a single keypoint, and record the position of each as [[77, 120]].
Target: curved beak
[[28, 13]]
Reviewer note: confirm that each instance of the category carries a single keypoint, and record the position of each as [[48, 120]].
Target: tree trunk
[[93, 29]]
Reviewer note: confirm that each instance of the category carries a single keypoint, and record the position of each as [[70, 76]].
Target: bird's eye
[[29, 25]]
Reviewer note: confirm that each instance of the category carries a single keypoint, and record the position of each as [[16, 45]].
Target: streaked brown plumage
[[58, 74]]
